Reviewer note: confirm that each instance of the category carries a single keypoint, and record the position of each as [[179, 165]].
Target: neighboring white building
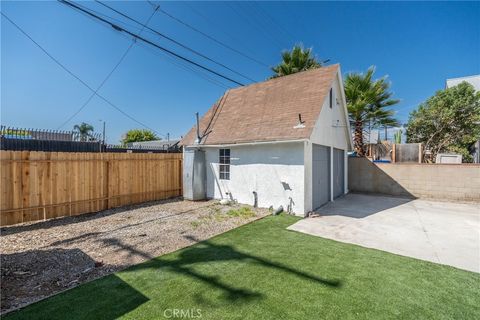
[[473, 80], [281, 142]]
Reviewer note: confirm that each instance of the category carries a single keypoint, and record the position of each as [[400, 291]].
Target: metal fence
[[408, 152], [47, 135], [24, 139]]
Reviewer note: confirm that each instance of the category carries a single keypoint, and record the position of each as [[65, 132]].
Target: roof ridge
[[281, 78]]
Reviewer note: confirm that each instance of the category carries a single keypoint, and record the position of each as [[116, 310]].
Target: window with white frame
[[224, 170]]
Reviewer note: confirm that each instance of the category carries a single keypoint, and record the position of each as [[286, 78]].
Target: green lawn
[[263, 271]]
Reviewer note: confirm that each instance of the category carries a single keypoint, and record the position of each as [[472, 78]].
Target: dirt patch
[[41, 259]]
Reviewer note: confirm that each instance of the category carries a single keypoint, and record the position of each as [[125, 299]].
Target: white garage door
[[338, 172], [320, 175]]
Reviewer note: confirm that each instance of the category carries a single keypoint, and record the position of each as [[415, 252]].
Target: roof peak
[[289, 76]]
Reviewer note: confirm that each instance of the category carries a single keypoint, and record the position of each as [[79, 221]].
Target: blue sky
[[418, 45]]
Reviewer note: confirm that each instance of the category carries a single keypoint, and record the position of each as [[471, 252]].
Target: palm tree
[[84, 130], [367, 100], [299, 59]]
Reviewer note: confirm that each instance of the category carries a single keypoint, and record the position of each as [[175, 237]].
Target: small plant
[[243, 212], [219, 216], [195, 224]]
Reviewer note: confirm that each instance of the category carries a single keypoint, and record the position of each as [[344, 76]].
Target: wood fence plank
[[43, 185], [7, 186]]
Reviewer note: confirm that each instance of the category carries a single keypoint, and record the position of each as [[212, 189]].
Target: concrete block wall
[[429, 181]]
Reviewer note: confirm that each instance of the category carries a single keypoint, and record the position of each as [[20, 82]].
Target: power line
[[171, 59], [217, 26], [264, 21], [173, 40], [176, 62], [253, 23], [185, 66], [265, 13], [179, 63], [106, 78], [118, 28], [212, 38], [74, 75]]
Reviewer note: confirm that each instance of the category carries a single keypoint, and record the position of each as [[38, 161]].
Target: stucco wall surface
[[274, 171]]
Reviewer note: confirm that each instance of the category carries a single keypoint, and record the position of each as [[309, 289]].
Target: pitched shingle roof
[[267, 111]]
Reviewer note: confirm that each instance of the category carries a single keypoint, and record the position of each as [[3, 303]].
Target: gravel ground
[[42, 259]]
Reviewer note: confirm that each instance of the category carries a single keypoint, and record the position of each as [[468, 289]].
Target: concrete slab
[[440, 232]]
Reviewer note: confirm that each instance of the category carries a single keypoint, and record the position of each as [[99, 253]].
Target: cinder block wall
[[430, 181]]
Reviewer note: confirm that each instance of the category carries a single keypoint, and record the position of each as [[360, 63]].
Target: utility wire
[[215, 25], [118, 28], [265, 13], [249, 18], [185, 66], [176, 62], [212, 38], [173, 40], [74, 75], [106, 78], [262, 20], [180, 64]]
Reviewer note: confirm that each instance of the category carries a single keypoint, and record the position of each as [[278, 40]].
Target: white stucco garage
[[440, 232], [282, 142]]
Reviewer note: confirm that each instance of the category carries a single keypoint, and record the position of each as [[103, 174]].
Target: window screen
[[224, 164]]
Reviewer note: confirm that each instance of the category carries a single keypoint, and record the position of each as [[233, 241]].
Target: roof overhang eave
[[234, 144]]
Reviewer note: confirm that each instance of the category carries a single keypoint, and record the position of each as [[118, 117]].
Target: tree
[[138, 135], [449, 121], [296, 60], [367, 102], [84, 130]]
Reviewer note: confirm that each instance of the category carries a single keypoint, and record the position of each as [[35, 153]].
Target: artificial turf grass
[[263, 271]]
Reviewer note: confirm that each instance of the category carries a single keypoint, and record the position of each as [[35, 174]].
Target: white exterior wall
[[275, 171], [473, 80], [331, 130]]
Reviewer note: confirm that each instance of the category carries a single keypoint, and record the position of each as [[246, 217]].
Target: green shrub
[[243, 212]]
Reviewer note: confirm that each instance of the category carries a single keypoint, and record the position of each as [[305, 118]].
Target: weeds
[[243, 212]]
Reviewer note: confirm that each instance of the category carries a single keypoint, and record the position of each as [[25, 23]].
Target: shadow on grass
[[206, 252], [111, 297], [107, 298]]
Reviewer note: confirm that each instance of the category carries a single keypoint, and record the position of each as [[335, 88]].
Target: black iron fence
[[23, 139]]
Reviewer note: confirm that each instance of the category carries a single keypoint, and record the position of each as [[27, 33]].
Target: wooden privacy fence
[[43, 185]]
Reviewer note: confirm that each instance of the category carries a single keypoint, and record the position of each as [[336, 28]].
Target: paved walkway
[[441, 232]]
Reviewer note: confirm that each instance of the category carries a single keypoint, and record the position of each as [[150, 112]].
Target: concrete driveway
[[441, 232]]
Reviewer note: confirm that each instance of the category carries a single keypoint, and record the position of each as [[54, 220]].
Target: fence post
[[394, 153], [180, 161], [420, 153], [107, 183]]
